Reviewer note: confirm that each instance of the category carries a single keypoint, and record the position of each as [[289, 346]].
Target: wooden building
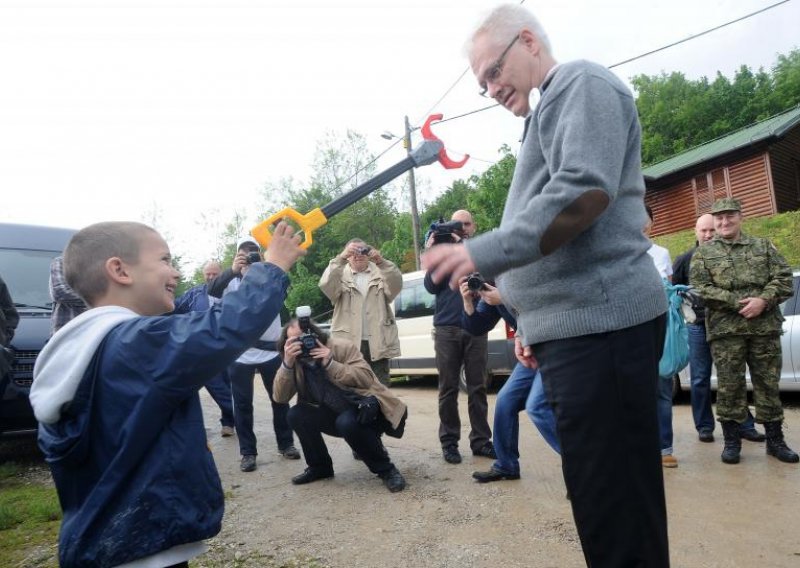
[[758, 165]]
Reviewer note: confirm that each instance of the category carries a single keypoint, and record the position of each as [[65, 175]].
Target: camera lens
[[253, 257], [364, 250], [475, 282]]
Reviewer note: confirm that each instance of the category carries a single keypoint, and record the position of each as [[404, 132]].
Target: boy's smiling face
[[153, 278]]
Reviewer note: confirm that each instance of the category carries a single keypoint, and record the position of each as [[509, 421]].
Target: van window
[[27, 273], [414, 301]]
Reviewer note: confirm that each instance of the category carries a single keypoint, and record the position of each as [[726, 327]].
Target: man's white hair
[[504, 22]]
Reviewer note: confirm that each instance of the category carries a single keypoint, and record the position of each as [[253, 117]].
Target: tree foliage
[[677, 113]]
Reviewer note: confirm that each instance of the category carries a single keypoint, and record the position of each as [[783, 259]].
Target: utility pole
[[412, 187]]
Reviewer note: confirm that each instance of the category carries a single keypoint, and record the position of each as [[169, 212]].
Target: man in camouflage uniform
[[743, 280]]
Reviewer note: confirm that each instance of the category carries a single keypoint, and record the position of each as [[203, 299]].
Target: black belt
[[266, 345]]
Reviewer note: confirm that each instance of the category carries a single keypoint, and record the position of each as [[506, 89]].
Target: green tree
[[677, 113]]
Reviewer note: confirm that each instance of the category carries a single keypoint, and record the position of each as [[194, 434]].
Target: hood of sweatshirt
[[63, 362]]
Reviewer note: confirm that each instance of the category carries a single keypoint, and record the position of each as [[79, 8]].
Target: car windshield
[[27, 275]]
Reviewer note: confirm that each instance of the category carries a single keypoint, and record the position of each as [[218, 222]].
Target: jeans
[[603, 391], [664, 406], [455, 347], [700, 372], [312, 421], [242, 384], [220, 390], [522, 391], [700, 362]]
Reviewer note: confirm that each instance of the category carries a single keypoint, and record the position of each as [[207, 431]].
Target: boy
[[115, 392]]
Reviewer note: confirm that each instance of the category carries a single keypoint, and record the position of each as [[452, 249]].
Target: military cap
[[726, 204]]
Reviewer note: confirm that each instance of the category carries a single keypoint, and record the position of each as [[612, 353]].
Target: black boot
[[733, 443], [775, 444]]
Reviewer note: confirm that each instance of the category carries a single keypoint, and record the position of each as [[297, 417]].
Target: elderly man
[[456, 348], [699, 352], [743, 280], [362, 284], [197, 299], [575, 268]]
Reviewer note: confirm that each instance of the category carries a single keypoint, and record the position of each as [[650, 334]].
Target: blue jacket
[[485, 318], [128, 452], [193, 300]]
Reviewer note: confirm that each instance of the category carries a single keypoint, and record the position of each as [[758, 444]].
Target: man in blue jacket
[[115, 393], [522, 391], [197, 299]]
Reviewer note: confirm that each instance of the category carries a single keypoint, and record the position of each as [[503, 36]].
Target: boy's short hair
[[89, 249]]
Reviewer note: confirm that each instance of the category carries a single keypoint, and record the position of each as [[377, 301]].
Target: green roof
[[773, 127]]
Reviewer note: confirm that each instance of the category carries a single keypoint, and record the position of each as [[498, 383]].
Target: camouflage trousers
[[762, 355]]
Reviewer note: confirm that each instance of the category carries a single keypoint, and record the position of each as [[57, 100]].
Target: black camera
[[308, 339], [475, 282], [446, 232], [364, 250], [253, 257]]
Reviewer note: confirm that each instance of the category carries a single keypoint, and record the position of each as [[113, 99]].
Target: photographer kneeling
[[338, 395]]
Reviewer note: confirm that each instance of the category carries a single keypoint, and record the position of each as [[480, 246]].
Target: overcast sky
[[114, 109]]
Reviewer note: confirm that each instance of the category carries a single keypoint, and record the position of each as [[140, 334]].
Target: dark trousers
[[603, 391], [379, 366], [220, 390], [311, 422], [242, 385], [455, 347]]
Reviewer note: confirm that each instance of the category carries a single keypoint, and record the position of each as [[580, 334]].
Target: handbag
[[676, 343]]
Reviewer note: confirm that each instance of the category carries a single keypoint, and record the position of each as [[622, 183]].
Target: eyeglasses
[[494, 72]]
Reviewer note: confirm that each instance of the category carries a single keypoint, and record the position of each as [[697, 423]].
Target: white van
[[413, 310]]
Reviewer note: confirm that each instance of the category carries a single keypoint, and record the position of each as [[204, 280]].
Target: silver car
[[790, 345]]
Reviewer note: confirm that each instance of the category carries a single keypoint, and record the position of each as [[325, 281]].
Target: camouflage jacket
[[724, 272]]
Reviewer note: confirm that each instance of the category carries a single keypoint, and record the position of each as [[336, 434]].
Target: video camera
[[308, 339], [475, 282], [443, 232]]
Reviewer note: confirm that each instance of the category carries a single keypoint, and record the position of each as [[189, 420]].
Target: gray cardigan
[[584, 134]]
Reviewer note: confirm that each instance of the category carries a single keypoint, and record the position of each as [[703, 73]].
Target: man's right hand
[[524, 354], [291, 351], [239, 262], [284, 248]]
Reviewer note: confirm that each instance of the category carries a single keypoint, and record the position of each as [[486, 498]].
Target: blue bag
[[676, 342]]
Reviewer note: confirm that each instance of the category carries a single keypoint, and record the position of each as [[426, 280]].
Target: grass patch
[[29, 520]]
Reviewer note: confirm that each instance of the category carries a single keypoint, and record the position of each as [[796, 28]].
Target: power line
[[708, 31]]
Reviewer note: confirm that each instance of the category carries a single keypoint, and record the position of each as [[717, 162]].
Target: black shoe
[[706, 436], [393, 480], [310, 475], [752, 435], [776, 445], [290, 453], [451, 454], [248, 463], [485, 451], [492, 475]]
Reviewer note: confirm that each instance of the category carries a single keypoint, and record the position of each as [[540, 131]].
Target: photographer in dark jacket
[[454, 348], [338, 395], [9, 318], [699, 351], [263, 358]]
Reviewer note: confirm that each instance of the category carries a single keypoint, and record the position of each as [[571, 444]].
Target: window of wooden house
[[709, 187]]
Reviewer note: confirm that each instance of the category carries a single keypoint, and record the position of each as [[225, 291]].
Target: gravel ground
[[720, 516]]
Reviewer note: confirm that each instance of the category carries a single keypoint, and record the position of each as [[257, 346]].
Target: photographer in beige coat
[[361, 284]]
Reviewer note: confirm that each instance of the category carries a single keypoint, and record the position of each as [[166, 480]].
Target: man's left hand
[[752, 307], [442, 260]]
